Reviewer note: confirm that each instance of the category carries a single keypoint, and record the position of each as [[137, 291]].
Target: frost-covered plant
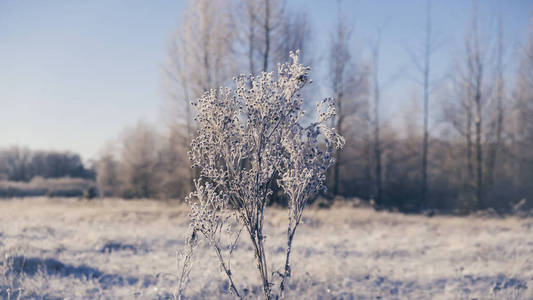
[[248, 138]]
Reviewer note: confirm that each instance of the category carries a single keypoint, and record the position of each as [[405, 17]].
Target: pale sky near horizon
[[74, 74]]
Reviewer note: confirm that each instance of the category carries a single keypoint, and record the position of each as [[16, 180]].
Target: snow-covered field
[[110, 249]]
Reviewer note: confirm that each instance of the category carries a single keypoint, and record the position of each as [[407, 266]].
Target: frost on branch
[[249, 137]]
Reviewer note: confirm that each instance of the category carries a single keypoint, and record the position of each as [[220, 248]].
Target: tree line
[[21, 164], [480, 157]]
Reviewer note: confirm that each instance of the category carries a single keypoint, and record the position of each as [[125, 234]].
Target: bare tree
[[467, 113], [376, 123], [203, 42], [497, 118], [340, 61], [523, 118], [268, 31], [107, 174], [15, 164], [294, 34], [139, 162], [457, 111], [476, 71], [423, 67], [524, 105], [262, 20], [270, 18], [426, 72], [426, 77], [200, 57], [175, 166], [348, 83]]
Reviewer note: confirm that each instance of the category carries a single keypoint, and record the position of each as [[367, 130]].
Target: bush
[[53, 187], [250, 137]]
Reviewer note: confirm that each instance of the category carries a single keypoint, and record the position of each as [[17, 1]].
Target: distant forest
[[23, 164], [471, 150], [24, 172]]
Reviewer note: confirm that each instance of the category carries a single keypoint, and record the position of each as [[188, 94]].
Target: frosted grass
[[116, 249]]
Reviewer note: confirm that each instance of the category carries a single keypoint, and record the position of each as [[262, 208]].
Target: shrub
[[248, 138], [52, 187]]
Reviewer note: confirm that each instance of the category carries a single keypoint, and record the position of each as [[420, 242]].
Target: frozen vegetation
[[112, 249], [250, 138]]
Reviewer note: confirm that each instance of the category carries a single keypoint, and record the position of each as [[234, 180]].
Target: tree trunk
[[495, 145], [267, 35], [377, 138], [479, 150], [424, 203]]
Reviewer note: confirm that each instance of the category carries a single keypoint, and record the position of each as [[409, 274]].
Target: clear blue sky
[[73, 74]]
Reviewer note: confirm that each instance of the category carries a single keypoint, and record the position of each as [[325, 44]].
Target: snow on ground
[[112, 249]]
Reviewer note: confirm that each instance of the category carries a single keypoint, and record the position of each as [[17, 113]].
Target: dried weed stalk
[[249, 137]]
